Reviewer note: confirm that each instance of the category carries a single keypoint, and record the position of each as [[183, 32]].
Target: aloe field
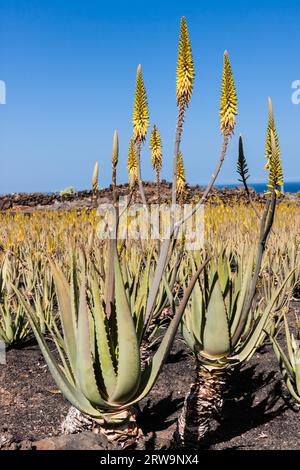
[[155, 315]]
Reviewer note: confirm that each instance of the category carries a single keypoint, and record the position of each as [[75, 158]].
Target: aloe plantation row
[[105, 312]]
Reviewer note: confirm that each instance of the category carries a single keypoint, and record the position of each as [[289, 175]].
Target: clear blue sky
[[70, 65]]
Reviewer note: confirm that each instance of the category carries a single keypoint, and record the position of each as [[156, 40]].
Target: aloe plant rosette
[[99, 371], [221, 329]]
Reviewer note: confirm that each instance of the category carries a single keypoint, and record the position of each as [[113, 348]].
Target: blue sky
[[70, 65]]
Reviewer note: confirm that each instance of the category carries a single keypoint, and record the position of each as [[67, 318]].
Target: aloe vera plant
[[220, 326], [274, 275], [290, 363], [221, 334], [14, 327], [100, 370], [113, 300]]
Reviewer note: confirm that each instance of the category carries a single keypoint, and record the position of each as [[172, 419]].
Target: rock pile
[[28, 202]]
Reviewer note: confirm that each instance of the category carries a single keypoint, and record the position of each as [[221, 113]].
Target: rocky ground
[[258, 412], [28, 202]]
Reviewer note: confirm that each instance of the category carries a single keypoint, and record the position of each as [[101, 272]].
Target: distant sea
[[261, 187], [289, 187]]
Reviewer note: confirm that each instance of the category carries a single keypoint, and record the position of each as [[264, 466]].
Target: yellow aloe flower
[[228, 105], [132, 164], [140, 109], [185, 67], [156, 150], [180, 175]]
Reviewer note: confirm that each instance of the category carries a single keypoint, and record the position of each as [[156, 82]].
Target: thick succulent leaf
[[142, 293], [246, 278], [297, 373], [282, 358], [74, 290], [223, 274], [251, 343], [129, 369], [291, 389], [234, 300], [139, 324], [169, 295], [64, 367], [187, 336], [109, 278], [288, 340], [159, 270], [74, 396], [152, 371], [85, 366], [196, 312], [165, 295], [106, 362], [216, 339], [66, 313]]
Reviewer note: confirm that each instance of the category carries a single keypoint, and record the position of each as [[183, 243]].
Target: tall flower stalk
[[95, 177], [140, 125], [112, 242], [156, 157], [228, 108], [180, 177], [132, 165], [184, 86], [273, 165], [185, 75]]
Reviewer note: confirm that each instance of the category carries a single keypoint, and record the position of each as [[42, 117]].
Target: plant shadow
[[157, 417], [252, 400]]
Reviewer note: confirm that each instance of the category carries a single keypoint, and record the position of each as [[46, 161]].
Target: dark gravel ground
[[258, 413]]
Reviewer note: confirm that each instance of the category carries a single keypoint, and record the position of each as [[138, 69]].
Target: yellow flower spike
[[271, 127], [228, 104], [140, 108], [156, 150], [185, 67], [272, 154], [275, 170], [180, 175], [132, 164]]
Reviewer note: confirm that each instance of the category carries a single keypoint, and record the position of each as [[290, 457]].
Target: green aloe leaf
[[246, 279], [129, 368], [106, 362], [152, 371], [282, 358], [197, 312], [74, 290], [188, 336], [85, 366], [288, 340], [66, 313], [297, 373], [75, 397], [216, 339], [223, 274], [292, 390], [250, 344]]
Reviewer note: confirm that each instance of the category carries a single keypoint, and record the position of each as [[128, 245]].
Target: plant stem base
[[120, 428], [202, 404]]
